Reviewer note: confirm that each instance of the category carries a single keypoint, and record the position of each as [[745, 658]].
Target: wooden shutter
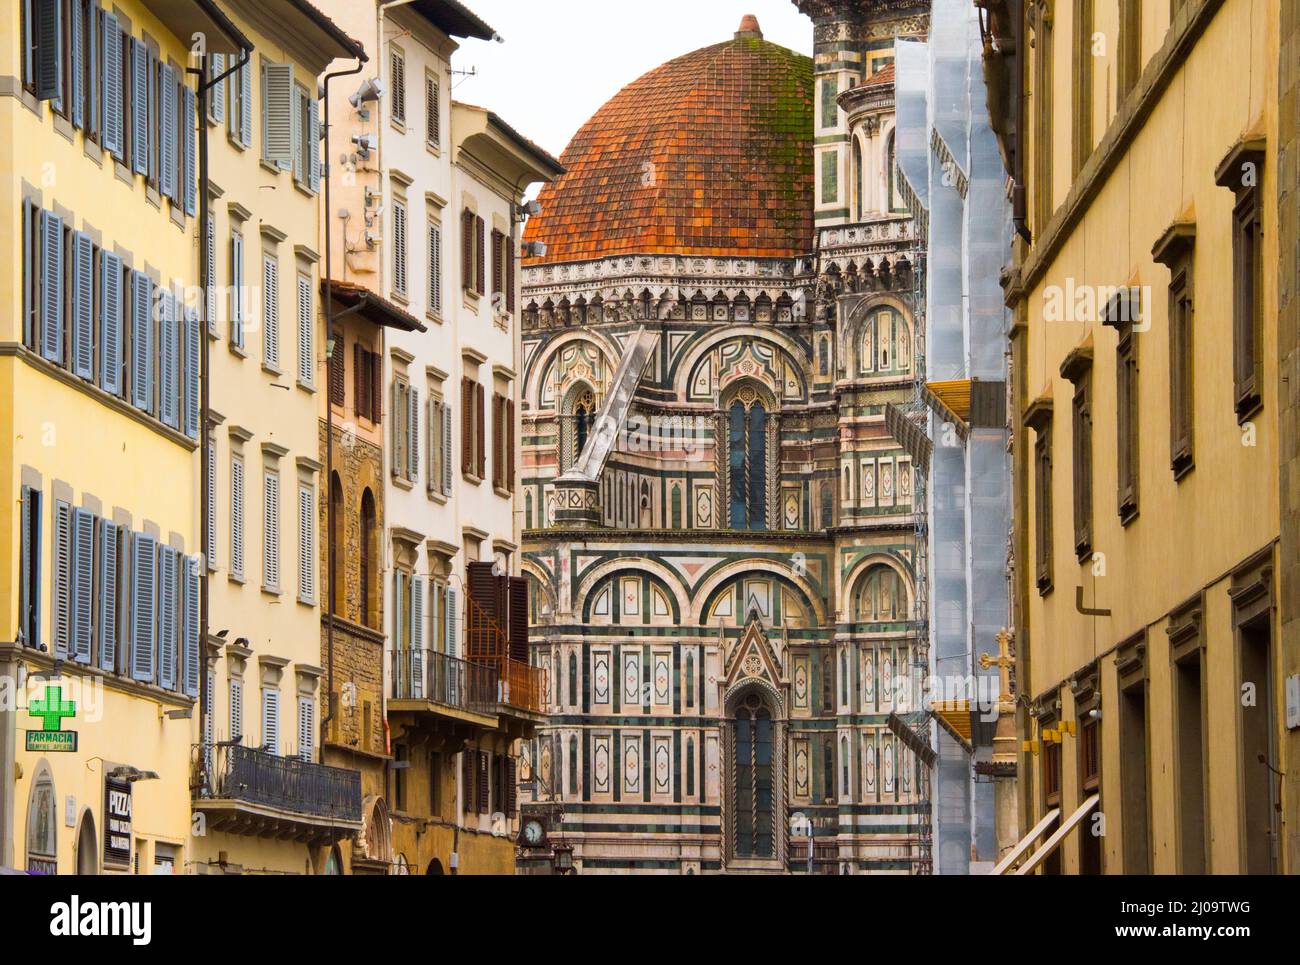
[[510, 280], [336, 371], [192, 373], [106, 593], [236, 709], [399, 248], [375, 369], [167, 613], [191, 585], [467, 779], [397, 77], [415, 636], [510, 444], [482, 785], [271, 720], [62, 578], [277, 100], [467, 249], [306, 333], [52, 282], [450, 614], [432, 112], [497, 265], [512, 786], [480, 436], [519, 618], [306, 544], [143, 559], [435, 268], [189, 123], [360, 385], [77, 65], [110, 314], [271, 531], [498, 435], [112, 78], [397, 442], [82, 574], [480, 261], [49, 48], [139, 104], [167, 131], [82, 307], [413, 433], [237, 516], [446, 449], [466, 426], [141, 341]]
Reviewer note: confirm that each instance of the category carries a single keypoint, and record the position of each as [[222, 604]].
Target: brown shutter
[[512, 780], [376, 388], [510, 444], [481, 582], [497, 281], [360, 385], [482, 789], [467, 778], [481, 452], [510, 278], [480, 259], [519, 618], [466, 426], [336, 371], [498, 439], [467, 249]]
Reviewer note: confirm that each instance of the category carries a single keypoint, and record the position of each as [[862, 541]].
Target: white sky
[[562, 59]]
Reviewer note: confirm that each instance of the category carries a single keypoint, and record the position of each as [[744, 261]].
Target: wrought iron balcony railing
[[288, 784], [429, 675]]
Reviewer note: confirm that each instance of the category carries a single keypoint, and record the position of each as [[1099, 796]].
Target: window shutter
[[467, 249], [139, 103], [217, 95], [143, 554], [466, 425], [271, 531], [49, 47], [498, 437], [83, 574], [83, 316], [432, 428], [62, 578], [306, 544], [433, 112], [142, 341], [110, 314], [299, 174], [518, 622], [192, 373], [167, 126], [271, 311], [416, 635], [168, 581], [497, 280], [480, 436], [31, 271], [237, 516], [77, 78], [246, 102], [338, 390], [271, 720], [360, 385], [210, 548], [277, 100], [510, 281], [450, 614], [113, 121], [376, 370], [482, 787], [307, 728], [52, 288], [313, 146], [107, 595], [446, 449], [435, 268], [397, 464], [167, 360], [413, 434], [189, 123], [467, 778], [399, 248], [510, 444], [306, 333], [190, 643], [480, 265], [397, 77], [30, 567], [512, 786], [210, 279], [236, 290], [236, 710]]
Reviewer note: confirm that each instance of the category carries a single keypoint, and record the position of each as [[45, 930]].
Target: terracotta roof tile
[[708, 154]]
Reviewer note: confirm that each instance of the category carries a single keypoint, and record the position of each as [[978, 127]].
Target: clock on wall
[[532, 831]]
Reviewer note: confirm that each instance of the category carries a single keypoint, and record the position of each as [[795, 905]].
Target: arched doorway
[[435, 868], [87, 846], [755, 770], [42, 823]]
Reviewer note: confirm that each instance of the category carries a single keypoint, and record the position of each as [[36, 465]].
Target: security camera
[[365, 144], [534, 249], [531, 208], [370, 90]]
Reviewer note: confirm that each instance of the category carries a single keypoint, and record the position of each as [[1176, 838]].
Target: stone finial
[[749, 28]]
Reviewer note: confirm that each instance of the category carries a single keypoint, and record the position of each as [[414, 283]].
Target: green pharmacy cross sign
[[51, 710]]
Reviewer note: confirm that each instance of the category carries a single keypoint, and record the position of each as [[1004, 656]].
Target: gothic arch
[[724, 574], [859, 571], [689, 355], [595, 574], [546, 353], [862, 314]]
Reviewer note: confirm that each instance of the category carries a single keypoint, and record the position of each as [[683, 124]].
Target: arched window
[[577, 416], [573, 766], [677, 507], [690, 680], [857, 178], [844, 677], [754, 790], [582, 423], [844, 765], [42, 824], [369, 561], [573, 679], [882, 597], [828, 769], [338, 544], [747, 463]]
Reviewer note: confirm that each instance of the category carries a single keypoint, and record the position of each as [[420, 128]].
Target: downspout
[[328, 717], [205, 394]]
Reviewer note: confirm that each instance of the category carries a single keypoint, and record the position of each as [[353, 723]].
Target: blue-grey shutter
[[110, 314], [300, 174], [168, 581], [167, 131], [144, 550], [271, 311], [49, 49], [112, 74], [83, 315], [192, 374], [278, 114], [189, 120], [237, 290], [31, 269], [413, 434], [29, 618], [139, 106], [210, 281], [313, 145], [168, 409], [94, 64], [62, 578], [452, 649], [210, 550], [306, 333], [446, 448], [246, 102], [52, 287], [217, 94], [77, 48], [107, 576], [190, 669], [141, 341], [417, 635], [83, 587]]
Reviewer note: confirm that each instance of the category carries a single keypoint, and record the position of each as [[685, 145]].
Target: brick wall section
[[1288, 196]]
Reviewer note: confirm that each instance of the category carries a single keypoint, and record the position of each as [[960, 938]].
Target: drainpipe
[[205, 394], [328, 717]]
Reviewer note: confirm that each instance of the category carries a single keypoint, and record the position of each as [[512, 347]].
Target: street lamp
[[562, 861]]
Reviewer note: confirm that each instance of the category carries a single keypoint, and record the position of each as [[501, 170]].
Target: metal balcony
[[436, 678]]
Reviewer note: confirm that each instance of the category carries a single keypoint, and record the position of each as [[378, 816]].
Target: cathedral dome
[[708, 154]]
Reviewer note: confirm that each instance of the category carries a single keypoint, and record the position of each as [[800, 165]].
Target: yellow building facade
[[98, 381], [1146, 411]]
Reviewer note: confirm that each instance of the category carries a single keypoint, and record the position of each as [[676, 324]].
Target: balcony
[[245, 791], [426, 681], [523, 686]]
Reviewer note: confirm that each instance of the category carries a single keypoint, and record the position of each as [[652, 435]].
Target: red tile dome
[[708, 154]]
